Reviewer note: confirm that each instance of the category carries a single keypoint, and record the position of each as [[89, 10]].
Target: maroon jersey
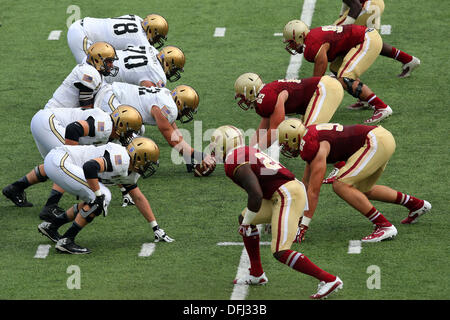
[[270, 173], [344, 140], [300, 93], [340, 38]]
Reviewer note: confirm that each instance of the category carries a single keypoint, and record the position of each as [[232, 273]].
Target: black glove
[[99, 204], [196, 157]]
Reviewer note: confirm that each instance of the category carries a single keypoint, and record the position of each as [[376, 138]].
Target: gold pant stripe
[[70, 174], [110, 102], [85, 41], [53, 129]]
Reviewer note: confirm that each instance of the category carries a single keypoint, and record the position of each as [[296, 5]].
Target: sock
[[301, 263], [401, 56], [410, 202], [22, 183], [373, 100], [251, 244], [54, 198], [60, 219], [72, 232], [377, 218]]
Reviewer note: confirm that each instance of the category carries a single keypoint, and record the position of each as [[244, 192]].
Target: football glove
[[301, 231], [245, 230], [98, 206], [160, 235], [127, 200]]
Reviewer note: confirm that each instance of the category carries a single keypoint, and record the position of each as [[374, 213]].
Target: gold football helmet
[[224, 139], [186, 99], [247, 87], [156, 28], [127, 120], [290, 133], [172, 60], [99, 54], [144, 154], [294, 34]]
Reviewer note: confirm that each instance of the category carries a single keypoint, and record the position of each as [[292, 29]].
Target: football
[[202, 171]]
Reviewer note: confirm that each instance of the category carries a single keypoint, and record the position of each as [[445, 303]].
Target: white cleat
[[379, 115], [414, 215], [326, 288], [252, 280], [381, 233], [409, 67]]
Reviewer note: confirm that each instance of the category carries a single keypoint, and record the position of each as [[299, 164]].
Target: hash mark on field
[[42, 251], [54, 35], [278, 34], [263, 243], [147, 249], [219, 32], [385, 29], [354, 246]]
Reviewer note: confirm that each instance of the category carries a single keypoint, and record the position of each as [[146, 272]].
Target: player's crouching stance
[[366, 151], [77, 170], [274, 196]]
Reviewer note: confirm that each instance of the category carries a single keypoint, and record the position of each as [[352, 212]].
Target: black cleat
[[49, 230], [16, 195], [67, 245], [48, 213]]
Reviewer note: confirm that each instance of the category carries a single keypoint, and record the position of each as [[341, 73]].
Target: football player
[[351, 49], [120, 32], [159, 107], [274, 196], [366, 151], [315, 99], [55, 127], [145, 66], [78, 169], [367, 13]]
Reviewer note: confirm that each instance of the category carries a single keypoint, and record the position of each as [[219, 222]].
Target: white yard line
[[147, 249], [354, 247], [42, 251], [262, 243], [54, 35], [219, 32]]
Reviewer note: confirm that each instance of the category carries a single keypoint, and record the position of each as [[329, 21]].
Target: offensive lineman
[[274, 196], [120, 32], [78, 169]]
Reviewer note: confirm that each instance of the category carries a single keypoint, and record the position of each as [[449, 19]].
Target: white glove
[[127, 200], [160, 235]]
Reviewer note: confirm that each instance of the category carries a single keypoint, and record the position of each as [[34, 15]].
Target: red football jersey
[[300, 93], [270, 173], [344, 140], [340, 38]]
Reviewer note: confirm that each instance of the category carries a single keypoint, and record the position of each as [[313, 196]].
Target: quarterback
[[274, 196], [120, 32], [315, 99], [78, 169], [351, 49], [366, 151]]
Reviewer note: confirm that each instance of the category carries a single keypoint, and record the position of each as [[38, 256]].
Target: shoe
[[381, 233], [360, 105], [407, 68], [252, 280], [49, 230], [379, 114], [324, 289], [160, 235], [67, 245], [414, 215], [16, 195], [48, 213]]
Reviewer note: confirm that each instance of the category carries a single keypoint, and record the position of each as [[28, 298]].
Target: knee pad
[[349, 83], [40, 177]]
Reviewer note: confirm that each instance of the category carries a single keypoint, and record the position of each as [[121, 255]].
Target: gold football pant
[[369, 16]]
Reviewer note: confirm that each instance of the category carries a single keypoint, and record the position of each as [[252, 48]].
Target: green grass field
[[201, 212]]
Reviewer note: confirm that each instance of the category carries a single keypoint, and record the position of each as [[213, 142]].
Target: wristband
[[306, 221], [98, 193], [248, 216]]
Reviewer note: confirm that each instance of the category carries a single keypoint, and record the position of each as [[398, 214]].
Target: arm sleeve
[[74, 131], [91, 169]]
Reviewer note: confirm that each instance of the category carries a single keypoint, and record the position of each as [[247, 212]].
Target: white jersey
[[68, 94], [138, 63], [143, 99], [119, 32]]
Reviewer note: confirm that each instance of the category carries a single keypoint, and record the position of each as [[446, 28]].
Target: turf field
[[202, 212]]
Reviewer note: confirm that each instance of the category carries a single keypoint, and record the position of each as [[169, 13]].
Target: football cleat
[[16, 195], [414, 215], [360, 105], [381, 233], [127, 200], [252, 280], [67, 245], [324, 289], [378, 115], [160, 235], [49, 230], [407, 68], [48, 213]]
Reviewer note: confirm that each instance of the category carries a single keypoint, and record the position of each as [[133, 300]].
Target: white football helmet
[[294, 34], [290, 133], [224, 139], [247, 87]]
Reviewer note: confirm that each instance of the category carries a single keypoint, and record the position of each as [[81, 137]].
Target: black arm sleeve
[[108, 163], [86, 94], [74, 131], [91, 123], [91, 169]]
